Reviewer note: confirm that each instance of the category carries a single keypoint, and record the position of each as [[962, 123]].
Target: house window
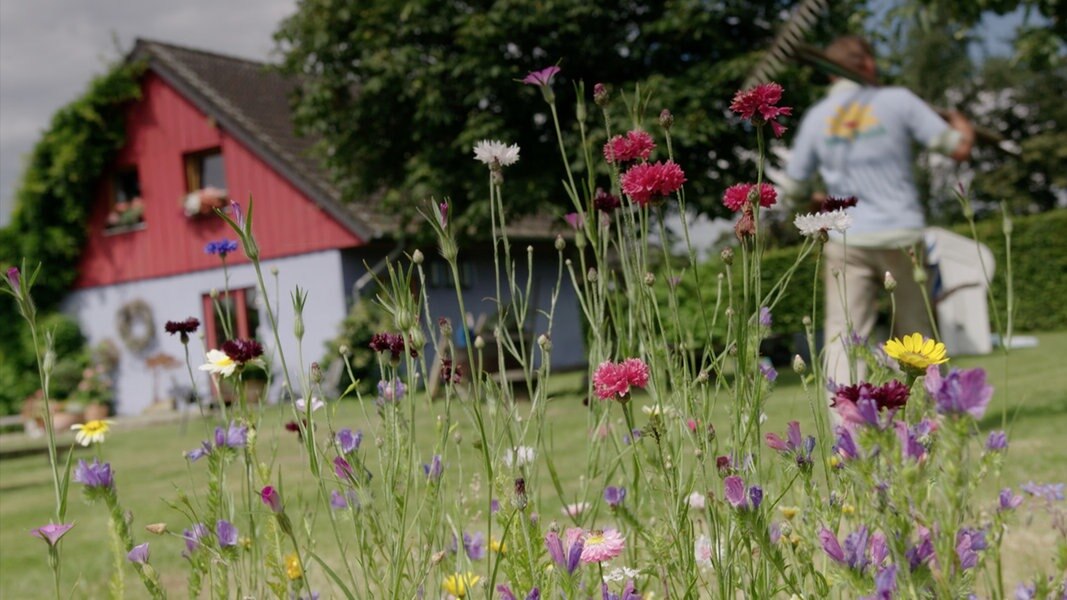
[[205, 182], [441, 275], [235, 312], [127, 206]]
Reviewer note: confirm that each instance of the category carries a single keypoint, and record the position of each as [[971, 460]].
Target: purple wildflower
[[349, 441], [474, 545], [794, 444], [961, 391], [198, 453], [765, 318], [1026, 592], [922, 552], [1009, 500], [755, 494], [1051, 492], [442, 214], [234, 436], [542, 77], [95, 475], [139, 554], [52, 532], [735, 491], [494, 506], [575, 554], [193, 537], [968, 543], [435, 469], [226, 533], [574, 220], [909, 440], [14, 278], [238, 215], [393, 394], [845, 446], [337, 500], [997, 441], [879, 550], [768, 371], [554, 545], [221, 247], [614, 495], [342, 469], [885, 583], [775, 532], [831, 546], [855, 547]]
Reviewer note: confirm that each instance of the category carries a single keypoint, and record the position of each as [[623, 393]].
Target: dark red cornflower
[[888, 396], [645, 183], [187, 326], [451, 373], [759, 105], [831, 203], [389, 342], [294, 427], [723, 464], [242, 351], [605, 202]]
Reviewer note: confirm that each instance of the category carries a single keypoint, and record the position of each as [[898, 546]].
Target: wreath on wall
[[137, 327]]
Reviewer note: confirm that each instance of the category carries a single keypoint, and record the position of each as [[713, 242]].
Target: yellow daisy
[[498, 546], [458, 584], [916, 352], [91, 432], [293, 570]]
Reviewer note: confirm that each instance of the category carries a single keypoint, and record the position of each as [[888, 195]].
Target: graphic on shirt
[[851, 121]]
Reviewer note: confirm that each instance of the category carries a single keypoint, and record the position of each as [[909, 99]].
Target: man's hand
[[962, 124]]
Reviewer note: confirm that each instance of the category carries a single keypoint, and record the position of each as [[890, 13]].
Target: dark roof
[[251, 101]]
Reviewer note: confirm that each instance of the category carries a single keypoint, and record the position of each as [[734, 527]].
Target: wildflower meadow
[[673, 483]]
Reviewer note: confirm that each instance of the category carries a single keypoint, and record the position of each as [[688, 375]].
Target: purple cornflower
[[234, 436], [226, 533], [474, 545], [961, 391], [435, 469], [139, 554], [614, 495], [221, 247], [765, 318], [542, 77], [795, 444], [1049, 491], [968, 543], [52, 532], [997, 441], [349, 441], [768, 371], [194, 536], [755, 494], [271, 498], [95, 475], [1009, 500]]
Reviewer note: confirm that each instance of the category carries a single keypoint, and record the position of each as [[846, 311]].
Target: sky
[[50, 49]]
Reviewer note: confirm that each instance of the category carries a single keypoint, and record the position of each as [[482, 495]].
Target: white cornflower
[[522, 455], [697, 501], [813, 223], [301, 404], [620, 573], [219, 363], [496, 153]]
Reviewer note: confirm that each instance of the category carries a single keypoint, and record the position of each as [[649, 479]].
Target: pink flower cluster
[[646, 182], [736, 196], [762, 99], [634, 145], [612, 381]]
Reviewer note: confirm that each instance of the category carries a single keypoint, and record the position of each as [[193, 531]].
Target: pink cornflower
[[602, 545], [736, 196], [634, 145], [762, 99], [614, 380], [647, 182]]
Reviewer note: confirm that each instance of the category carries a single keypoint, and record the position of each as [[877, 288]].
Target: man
[[859, 139]]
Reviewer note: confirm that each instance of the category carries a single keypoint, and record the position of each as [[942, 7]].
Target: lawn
[[1030, 401]]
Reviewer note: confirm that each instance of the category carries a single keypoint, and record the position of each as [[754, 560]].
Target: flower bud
[[344, 350], [274, 271], [417, 257], [214, 293], [919, 274], [890, 282], [561, 244], [806, 321], [457, 437], [479, 342], [49, 360], [650, 279], [727, 255], [445, 326], [544, 342], [702, 376], [298, 326], [591, 275], [666, 119], [799, 366], [600, 95], [1006, 225], [316, 373]]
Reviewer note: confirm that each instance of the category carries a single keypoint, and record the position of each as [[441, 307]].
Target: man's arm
[[958, 122]]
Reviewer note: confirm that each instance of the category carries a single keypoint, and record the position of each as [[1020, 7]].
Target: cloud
[[50, 49]]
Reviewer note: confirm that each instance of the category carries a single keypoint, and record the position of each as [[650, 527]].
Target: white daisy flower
[[620, 574], [813, 223], [496, 153], [219, 363], [301, 404], [92, 432], [519, 456]]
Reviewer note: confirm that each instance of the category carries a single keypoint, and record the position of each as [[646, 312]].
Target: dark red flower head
[[187, 326], [391, 342], [888, 396], [605, 202], [242, 351], [831, 203]]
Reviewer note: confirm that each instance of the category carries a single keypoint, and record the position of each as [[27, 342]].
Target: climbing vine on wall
[[52, 203]]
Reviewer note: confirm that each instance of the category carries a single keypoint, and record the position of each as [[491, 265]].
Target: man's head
[[855, 53]]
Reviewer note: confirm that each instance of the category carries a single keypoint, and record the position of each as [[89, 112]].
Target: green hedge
[[1039, 273]]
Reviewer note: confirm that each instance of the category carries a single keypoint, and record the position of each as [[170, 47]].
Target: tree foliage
[[400, 92]]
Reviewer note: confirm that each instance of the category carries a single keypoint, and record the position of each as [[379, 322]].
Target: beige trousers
[[861, 279]]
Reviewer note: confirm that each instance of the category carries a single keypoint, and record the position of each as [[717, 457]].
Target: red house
[[209, 129]]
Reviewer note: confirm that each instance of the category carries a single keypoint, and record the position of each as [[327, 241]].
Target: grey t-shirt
[[860, 140]]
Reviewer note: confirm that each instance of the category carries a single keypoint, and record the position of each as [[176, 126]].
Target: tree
[[399, 93]]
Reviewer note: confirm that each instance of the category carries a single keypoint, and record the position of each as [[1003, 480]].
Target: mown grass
[[1030, 402]]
